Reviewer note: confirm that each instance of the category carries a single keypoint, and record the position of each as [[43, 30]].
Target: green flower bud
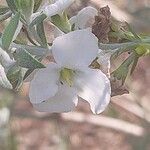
[[143, 49]]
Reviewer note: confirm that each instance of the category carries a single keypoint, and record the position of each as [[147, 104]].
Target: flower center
[[66, 75]]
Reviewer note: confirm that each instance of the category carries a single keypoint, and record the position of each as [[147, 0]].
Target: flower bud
[[143, 49]]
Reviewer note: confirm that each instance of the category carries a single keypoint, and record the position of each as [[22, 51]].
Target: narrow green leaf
[[41, 34], [62, 22], [134, 64], [38, 20], [3, 10], [117, 45], [9, 32], [11, 4], [33, 50], [118, 48], [32, 30], [25, 7], [29, 71], [15, 75], [133, 32], [122, 71], [26, 60], [5, 16], [37, 4]]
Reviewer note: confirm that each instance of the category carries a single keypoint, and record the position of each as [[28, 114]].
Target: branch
[[107, 122], [131, 108], [76, 117]]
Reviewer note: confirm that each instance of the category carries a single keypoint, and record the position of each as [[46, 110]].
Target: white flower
[[56, 88], [5, 63], [84, 18], [51, 8], [4, 116]]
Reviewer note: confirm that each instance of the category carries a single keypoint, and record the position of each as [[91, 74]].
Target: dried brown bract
[[101, 26], [117, 88]]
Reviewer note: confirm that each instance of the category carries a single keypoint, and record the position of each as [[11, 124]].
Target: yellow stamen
[[67, 76]]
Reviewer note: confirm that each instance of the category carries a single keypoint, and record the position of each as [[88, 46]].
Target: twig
[[104, 121], [131, 108]]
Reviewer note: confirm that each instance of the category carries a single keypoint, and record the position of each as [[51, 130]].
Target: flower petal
[[65, 100], [58, 7], [84, 18], [93, 87], [75, 49], [44, 84], [104, 61]]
